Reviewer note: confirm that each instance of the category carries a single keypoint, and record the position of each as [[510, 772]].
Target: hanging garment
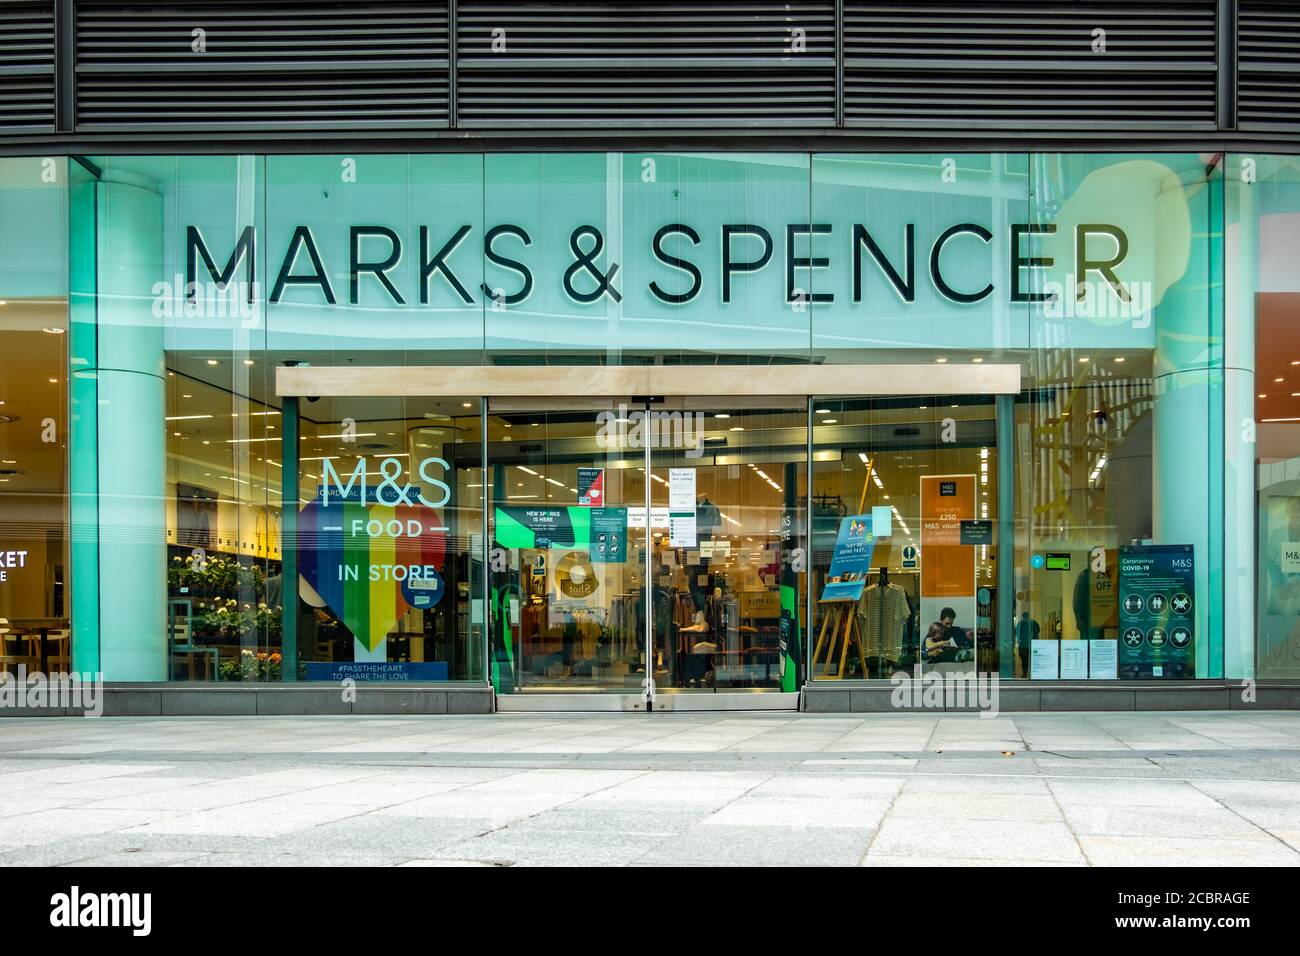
[[883, 612]]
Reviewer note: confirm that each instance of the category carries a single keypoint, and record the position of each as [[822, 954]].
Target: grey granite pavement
[[654, 789]]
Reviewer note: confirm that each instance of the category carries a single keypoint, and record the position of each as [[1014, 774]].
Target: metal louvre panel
[[27, 65], [295, 64], [1268, 64], [1022, 63], [624, 63]]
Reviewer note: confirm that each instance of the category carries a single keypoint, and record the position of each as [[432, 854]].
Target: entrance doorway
[[700, 598], [623, 550]]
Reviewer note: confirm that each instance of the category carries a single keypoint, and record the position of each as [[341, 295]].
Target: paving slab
[[664, 789]]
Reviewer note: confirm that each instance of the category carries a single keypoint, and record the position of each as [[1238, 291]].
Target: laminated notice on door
[[681, 529]]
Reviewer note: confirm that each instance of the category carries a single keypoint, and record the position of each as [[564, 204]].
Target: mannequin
[[883, 613], [708, 517]]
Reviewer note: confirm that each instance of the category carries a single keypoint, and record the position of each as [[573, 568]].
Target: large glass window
[[195, 281], [728, 562], [389, 530], [1118, 430], [34, 562], [567, 493], [916, 479], [1263, 433]]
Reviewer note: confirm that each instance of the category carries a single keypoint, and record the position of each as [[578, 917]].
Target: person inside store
[[945, 642], [1026, 633]]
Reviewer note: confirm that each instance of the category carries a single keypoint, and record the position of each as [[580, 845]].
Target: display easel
[[840, 619]]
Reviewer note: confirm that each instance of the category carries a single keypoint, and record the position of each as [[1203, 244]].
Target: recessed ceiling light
[[247, 361], [830, 421], [212, 361], [1119, 358], [466, 404], [977, 360], [721, 415], [737, 428], [1279, 379], [1083, 359], [823, 411], [54, 381], [941, 360], [53, 330]]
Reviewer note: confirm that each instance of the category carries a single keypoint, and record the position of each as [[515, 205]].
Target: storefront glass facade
[[1123, 516]]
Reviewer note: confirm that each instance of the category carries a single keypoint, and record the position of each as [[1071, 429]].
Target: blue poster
[[1157, 620], [851, 560]]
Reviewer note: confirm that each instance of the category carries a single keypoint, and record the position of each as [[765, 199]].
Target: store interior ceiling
[[33, 397], [1277, 375]]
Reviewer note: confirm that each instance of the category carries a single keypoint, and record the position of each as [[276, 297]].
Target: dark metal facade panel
[[762, 73], [289, 64], [1027, 64], [27, 65], [710, 63], [1268, 68]]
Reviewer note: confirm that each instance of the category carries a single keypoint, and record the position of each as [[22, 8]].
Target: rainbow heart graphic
[[363, 570]]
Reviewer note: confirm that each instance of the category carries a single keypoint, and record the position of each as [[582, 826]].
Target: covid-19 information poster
[[1157, 611]]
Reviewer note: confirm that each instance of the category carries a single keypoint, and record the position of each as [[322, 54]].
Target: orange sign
[[948, 566]]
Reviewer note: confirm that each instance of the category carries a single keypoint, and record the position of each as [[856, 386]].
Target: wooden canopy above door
[[569, 381]]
